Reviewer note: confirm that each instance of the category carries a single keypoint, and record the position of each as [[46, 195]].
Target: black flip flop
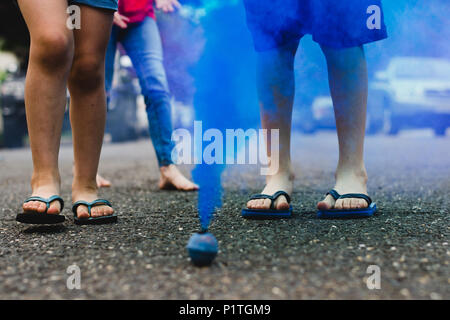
[[349, 213], [270, 213], [42, 217], [93, 220]]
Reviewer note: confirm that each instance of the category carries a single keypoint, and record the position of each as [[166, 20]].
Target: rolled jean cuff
[[165, 162]]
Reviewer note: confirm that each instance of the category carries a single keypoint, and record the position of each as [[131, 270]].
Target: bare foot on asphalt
[[102, 182], [173, 179]]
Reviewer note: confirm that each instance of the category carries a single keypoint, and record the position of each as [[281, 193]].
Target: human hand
[[121, 20], [167, 5]]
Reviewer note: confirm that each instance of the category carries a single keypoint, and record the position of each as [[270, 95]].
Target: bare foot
[[280, 181], [89, 194], [102, 182], [44, 187], [173, 179], [347, 181]]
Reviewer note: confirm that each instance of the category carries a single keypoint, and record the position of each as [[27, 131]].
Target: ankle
[[168, 170], [358, 173], [84, 186], [41, 179], [285, 177]]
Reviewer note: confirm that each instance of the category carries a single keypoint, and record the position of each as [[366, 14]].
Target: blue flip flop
[[271, 213], [93, 220], [42, 217], [349, 213]]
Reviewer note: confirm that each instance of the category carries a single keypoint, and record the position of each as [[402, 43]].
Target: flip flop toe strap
[[47, 201], [357, 196], [334, 194], [280, 193], [260, 196], [89, 205]]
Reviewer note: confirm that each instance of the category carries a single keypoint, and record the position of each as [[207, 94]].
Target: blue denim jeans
[[142, 44]]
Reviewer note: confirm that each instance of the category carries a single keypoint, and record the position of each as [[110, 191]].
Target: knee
[[344, 59], [53, 49], [87, 73]]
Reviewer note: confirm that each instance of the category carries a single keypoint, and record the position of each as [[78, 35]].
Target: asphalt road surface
[[144, 256]]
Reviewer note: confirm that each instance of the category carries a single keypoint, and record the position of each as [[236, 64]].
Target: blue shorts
[[103, 4], [333, 23]]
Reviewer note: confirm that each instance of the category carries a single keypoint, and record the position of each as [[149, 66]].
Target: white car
[[413, 92]]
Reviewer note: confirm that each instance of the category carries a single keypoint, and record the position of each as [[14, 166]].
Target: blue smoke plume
[[225, 91]]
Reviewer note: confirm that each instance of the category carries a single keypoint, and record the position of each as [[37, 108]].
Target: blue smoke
[[225, 92]]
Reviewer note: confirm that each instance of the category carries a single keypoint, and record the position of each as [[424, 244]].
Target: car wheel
[[391, 123], [440, 131], [394, 130]]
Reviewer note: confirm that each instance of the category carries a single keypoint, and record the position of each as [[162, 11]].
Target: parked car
[[323, 115], [412, 92], [13, 111], [12, 104]]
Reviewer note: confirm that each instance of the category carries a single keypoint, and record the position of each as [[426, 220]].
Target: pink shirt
[[136, 10]]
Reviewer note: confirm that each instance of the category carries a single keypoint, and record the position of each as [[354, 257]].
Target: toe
[[96, 212], [34, 205], [281, 203], [108, 211], [327, 203], [266, 204], [347, 204], [82, 212], [339, 204], [255, 204], [55, 208], [258, 204], [41, 207], [362, 204], [195, 187], [352, 203], [357, 204], [27, 206], [101, 211], [251, 204], [191, 186]]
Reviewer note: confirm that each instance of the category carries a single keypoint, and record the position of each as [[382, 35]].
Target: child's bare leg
[[88, 105], [347, 72], [276, 95], [51, 54]]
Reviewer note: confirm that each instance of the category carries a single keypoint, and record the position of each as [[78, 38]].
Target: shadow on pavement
[[45, 229]]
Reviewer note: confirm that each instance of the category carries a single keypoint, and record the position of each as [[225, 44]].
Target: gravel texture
[[144, 256]]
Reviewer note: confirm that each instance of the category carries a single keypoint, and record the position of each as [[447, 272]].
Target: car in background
[[413, 92], [12, 106], [323, 115]]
